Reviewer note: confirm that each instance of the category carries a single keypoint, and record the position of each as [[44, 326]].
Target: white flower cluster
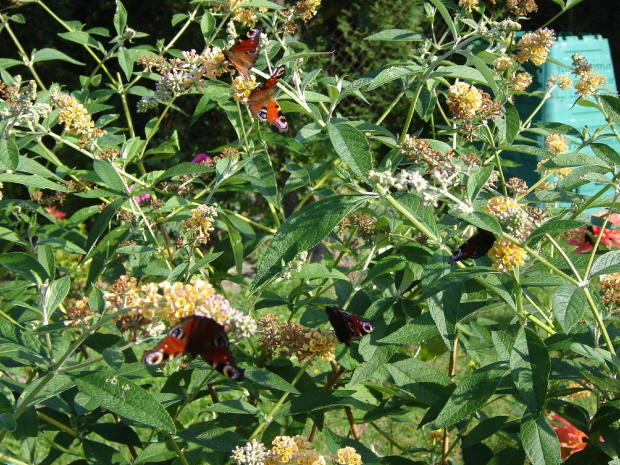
[[23, 110]]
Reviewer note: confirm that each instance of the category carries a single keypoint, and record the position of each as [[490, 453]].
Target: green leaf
[[32, 180], [286, 142], [49, 54], [460, 72], [166, 149], [24, 266], [108, 174], [552, 227], [380, 356], [540, 442], [236, 407], [125, 61], [574, 159], [607, 414], [127, 399], [471, 394], [414, 205], [184, 169], [303, 230], [606, 153], [443, 305], [102, 222], [418, 330], [120, 18], [513, 123], [391, 74], [320, 271], [443, 11], [397, 35], [530, 366], [569, 305], [236, 243], [261, 4], [82, 38], [352, 147], [207, 24], [386, 265], [7, 422], [113, 358], [266, 378], [97, 452], [476, 182], [58, 291], [484, 69], [423, 381], [260, 173], [485, 429], [9, 154], [611, 107], [607, 263]]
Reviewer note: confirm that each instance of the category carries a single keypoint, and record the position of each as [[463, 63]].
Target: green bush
[[473, 332]]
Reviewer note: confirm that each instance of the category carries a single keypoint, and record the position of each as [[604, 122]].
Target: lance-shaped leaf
[[530, 366], [352, 147], [302, 231], [569, 304], [471, 394], [125, 398], [540, 442]]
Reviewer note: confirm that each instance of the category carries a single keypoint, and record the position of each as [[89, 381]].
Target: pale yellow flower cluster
[[557, 145], [244, 16], [242, 88], [348, 456], [521, 81], [511, 215], [464, 100], [201, 222], [563, 81], [502, 63], [470, 5], [323, 343], [214, 62], [75, 117], [588, 84], [534, 46], [507, 256]]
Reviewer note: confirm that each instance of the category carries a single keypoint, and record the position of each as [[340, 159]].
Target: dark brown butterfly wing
[[263, 105], [244, 53], [197, 335], [476, 246], [348, 326]]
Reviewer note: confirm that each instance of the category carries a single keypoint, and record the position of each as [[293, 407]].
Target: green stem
[[22, 52], [177, 449], [57, 424]]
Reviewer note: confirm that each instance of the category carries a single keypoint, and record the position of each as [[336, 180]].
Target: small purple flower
[[201, 157]]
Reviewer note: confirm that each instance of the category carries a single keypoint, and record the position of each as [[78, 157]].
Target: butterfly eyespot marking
[[236, 374], [153, 358], [262, 114], [368, 326], [177, 332], [221, 341]]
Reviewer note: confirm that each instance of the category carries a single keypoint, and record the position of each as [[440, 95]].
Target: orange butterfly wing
[[244, 53], [197, 335], [263, 105]]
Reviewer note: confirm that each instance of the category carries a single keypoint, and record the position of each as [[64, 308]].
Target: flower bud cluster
[[23, 110]]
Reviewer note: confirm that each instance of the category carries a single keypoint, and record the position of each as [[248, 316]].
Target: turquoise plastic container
[[561, 106]]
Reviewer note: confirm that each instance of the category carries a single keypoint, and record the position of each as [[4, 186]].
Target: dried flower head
[[610, 287], [292, 339], [517, 186], [581, 65], [506, 255], [306, 9], [535, 46], [521, 7], [348, 456]]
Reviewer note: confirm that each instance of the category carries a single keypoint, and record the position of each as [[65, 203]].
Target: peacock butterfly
[[348, 326], [197, 335], [475, 247], [263, 105], [244, 53]]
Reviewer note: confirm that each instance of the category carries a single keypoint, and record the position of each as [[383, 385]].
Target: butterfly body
[[475, 247], [196, 335], [244, 53], [348, 326], [263, 105]]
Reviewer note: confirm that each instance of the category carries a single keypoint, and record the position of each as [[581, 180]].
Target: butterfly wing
[[263, 105], [348, 326], [171, 347], [244, 53], [197, 335], [475, 247]]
